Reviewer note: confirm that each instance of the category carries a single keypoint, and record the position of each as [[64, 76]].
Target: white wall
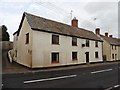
[[106, 50], [42, 48], [92, 49], [24, 54]]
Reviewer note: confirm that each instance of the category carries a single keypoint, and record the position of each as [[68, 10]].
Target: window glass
[[96, 44], [27, 38], [112, 56], [96, 55], [55, 39], [74, 41], [74, 55], [87, 43], [55, 57]]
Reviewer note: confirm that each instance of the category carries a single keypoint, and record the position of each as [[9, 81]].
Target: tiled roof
[[42, 24], [112, 41]]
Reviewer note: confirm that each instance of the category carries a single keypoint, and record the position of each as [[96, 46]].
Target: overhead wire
[[67, 15], [61, 11]]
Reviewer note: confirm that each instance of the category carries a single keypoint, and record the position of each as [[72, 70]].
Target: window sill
[[55, 44], [75, 45], [74, 59], [97, 58], [55, 62], [26, 43]]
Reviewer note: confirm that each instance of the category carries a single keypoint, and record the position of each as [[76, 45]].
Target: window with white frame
[[96, 55], [55, 57]]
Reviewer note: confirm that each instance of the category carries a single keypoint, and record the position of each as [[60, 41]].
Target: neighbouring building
[[0, 33], [5, 44], [41, 42], [111, 46]]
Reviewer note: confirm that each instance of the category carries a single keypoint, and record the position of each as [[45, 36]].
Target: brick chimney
[[74, 22], [110, 36], [106, 34], [97, 31]]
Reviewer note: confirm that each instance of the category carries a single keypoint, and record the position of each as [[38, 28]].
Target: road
[[99, 76]]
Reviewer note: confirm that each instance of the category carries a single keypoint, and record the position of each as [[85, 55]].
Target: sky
[[90, 13]]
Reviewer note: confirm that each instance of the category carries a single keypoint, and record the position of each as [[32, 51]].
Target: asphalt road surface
[[104, 76]]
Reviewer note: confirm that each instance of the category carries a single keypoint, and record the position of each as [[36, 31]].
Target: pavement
[[12, 68]]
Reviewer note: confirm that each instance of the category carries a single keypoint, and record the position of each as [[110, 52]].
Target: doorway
[[87, 57]]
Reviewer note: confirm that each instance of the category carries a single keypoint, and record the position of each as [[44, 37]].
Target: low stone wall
[[6, 45], [10, 55]]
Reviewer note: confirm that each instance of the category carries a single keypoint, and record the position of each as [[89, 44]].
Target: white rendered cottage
[[40, 42]]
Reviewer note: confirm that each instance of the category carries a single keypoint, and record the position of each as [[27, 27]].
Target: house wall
[[113, 51], [106, 50], [15, 39], [42, 48], [92, 51], [24, 54], [118, 52]]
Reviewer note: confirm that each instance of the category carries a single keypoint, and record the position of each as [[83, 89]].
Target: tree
[[5, 34]]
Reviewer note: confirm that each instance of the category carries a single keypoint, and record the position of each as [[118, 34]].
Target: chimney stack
[[110, 36], [74, 22], [106, 34], [97, 31]]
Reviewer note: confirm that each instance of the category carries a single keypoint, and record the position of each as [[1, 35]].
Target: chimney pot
[[110, 36], [74, 22], [97, 31], [106, 34]]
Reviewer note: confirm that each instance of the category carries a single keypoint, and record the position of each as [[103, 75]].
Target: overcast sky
[[90, 13]]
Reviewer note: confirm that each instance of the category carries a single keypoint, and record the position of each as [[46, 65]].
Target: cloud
[[106, 14], [16, 1], [98, 7], [10, 15], [12, 24]]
